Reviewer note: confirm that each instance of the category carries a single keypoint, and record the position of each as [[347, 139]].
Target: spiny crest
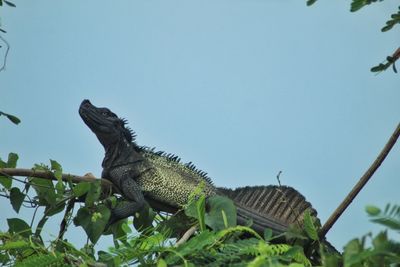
[[173, 158], [124, 121], [192, 167], [128, 132], [168, 156]]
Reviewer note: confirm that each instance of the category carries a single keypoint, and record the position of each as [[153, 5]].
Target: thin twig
[[34, 215], [34, 203], [65, 220], [26, 201], [186, 235], [361, 183], [21, 181], [13, 178], [278, 176], [3, 67], [295, 212]]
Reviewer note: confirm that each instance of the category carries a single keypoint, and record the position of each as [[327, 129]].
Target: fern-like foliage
[[389, 217], [55, 260], [383, 252], [217, 242]]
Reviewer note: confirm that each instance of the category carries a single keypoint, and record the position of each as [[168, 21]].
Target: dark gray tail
[[274, 207]]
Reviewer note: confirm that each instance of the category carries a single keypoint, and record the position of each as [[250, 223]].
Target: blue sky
[[244, 89]]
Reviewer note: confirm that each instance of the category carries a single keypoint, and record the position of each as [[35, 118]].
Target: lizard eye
[[105, 112]]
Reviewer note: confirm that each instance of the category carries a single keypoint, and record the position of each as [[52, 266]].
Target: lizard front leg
[[132, 192]]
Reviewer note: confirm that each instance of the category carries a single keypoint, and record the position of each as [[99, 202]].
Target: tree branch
[[186, 235], [106, 184], [361, 183]]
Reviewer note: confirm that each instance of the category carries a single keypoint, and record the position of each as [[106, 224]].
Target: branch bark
[[49, 175], [361, 183], [106, 185], [186, 235]]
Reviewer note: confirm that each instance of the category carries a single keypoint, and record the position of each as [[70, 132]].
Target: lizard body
[[146, 176]]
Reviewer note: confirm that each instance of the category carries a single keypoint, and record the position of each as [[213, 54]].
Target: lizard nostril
[[85, 102]]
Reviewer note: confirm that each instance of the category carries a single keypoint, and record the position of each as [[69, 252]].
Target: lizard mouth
[[92, 116], [87, 111], [85, 105]]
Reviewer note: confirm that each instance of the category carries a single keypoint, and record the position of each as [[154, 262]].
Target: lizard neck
[[121, 153]]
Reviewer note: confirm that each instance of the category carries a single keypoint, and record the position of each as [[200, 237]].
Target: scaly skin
[[148, 177], [177, 180], [140, 173]]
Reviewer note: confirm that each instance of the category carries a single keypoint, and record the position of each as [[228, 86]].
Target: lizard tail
[[274, 207]]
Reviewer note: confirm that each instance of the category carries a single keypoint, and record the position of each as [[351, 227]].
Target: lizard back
[[170, 180]]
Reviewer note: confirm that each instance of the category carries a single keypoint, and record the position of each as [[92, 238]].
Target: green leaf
[[267, 234], [161, 263], [358, 4], [297, 253], [151, 241], [55, 208], [176, 224], [93, 221], [196, 243], [309, 226], [118, 231], [378, 68], [311, 2], [19, 226], [93, 193], [237, 229], [60, 188], [380, 241], [16, 198], [3, 164], [221, 211], [4, 259], [330, 260], [12, 160], [57, 169], [387, 28], [14, 245], [81, 189], [388, 222], [51, 259], [372, 210], [201, 209], [109, 259], [351, 249], [9, 3], [196, 209], [45, 191], [12, 118], [6, 181], [126, 228], [295, 232]]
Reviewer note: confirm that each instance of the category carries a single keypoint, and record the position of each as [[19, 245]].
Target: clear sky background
[[243, 88]]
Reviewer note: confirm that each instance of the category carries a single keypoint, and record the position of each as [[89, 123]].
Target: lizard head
[[105, 124]]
